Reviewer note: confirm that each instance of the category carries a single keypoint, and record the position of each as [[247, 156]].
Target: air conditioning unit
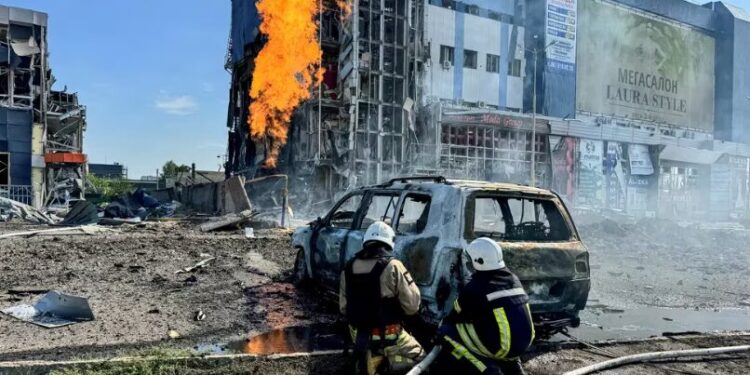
[[447, 64], [481, 104]]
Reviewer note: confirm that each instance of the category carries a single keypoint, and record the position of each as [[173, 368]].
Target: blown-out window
[[414, 213], [515, 219], [382, 207], [343, 216], [446, 54]]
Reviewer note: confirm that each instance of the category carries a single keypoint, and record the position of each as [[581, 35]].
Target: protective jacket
[[375, 288], [491, 317], [376, 292]]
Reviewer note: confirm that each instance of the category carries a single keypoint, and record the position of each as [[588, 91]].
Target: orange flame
[[286, 69], [346, 8]]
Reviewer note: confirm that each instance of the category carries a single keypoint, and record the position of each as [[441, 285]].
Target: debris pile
[[668, 264], [10, 209]]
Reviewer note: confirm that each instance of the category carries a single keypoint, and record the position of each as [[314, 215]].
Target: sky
[[151, 74]]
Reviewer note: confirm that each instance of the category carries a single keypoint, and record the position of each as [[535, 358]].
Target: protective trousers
[[397, 355], [457, 359]]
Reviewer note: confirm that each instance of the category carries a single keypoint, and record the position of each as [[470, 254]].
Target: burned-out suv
[[435, 219]]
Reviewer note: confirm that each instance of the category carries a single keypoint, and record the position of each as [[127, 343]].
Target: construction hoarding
[[643, 67]]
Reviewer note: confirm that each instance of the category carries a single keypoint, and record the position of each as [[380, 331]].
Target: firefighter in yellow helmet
[[490, 325], [375, 295]]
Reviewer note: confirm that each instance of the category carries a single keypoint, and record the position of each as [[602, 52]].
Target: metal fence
[[18, 193]]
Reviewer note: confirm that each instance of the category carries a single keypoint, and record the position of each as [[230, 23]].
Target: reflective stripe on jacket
[[491, 317]]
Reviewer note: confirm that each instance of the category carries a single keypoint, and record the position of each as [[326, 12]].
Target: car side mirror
[[317, 222]]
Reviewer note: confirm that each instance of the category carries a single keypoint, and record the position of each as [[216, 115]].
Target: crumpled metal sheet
[[53, 310], [25, 47]]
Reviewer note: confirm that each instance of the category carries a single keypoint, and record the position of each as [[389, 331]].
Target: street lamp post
[[535, 52]]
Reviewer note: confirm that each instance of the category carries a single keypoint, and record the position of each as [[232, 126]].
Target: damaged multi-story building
[[403, 83], [622, 105], [41, 130]]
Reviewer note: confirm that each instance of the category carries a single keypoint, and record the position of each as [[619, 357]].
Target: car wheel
[[300, 269]]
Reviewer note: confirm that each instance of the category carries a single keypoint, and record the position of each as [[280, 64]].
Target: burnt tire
[[299, 275]]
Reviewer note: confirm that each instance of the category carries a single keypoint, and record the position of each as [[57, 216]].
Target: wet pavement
[[300, 339], [610, 323]]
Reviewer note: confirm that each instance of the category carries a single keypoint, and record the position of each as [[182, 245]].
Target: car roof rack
[[438, 179]]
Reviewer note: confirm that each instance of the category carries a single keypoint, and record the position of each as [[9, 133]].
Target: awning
[[690, 155]]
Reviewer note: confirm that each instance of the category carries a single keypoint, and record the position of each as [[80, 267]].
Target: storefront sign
[[640, 160], [636, 181], [563, 166], [496, 119], [591, 179], [561, 34]]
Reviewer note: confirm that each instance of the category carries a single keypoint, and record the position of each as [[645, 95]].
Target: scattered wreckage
[[435, 218], [53, 310]]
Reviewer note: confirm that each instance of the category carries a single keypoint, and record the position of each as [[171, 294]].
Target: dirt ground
[[129, 278], [137, 298]]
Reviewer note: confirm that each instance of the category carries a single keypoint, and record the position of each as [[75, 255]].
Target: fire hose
[[426, 362], [667, 355]]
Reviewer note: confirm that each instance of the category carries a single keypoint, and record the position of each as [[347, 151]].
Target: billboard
[[644, 67], [560, 30], [590, 177]]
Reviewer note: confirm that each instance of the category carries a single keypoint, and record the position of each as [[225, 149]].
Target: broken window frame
[[557, 217], [393, 204], [470, 59], [424, 214], [355, 213], [447, 53], [5, 169]]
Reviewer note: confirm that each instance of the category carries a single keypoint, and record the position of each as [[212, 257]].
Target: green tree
[[109, 188], [171, 169]]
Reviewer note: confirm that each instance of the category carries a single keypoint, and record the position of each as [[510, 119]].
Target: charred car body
[[434, 219]]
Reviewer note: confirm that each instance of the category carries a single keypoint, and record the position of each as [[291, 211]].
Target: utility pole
[[536, 52]]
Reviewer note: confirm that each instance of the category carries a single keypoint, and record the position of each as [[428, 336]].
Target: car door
[[330, 238], [379, 205], [413, 246]]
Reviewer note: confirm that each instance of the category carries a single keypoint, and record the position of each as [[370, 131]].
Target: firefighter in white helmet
[[490, 325], [375, 295]]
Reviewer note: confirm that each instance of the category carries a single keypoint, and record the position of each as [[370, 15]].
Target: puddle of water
[[643, 322], [281, 341]]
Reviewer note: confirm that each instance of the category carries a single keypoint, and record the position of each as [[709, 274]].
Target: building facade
[[641, 106], [656, 122], [41, 130]]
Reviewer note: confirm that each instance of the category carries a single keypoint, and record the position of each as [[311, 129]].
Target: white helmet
[[381, 232], [486, 254]]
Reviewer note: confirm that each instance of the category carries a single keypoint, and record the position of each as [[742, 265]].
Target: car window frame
[[470, 202], [400, 207], [368, 199], [357, 212]]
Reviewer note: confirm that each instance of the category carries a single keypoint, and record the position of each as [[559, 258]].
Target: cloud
[[178, 105]]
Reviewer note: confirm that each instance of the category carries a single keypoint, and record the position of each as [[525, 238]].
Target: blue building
[[41, 130]]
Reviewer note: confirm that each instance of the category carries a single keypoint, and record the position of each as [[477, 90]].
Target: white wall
[[440, 27], [482, 35]]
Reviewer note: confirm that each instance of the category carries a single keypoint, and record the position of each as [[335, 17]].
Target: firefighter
[[490, 325], [376, 293]]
